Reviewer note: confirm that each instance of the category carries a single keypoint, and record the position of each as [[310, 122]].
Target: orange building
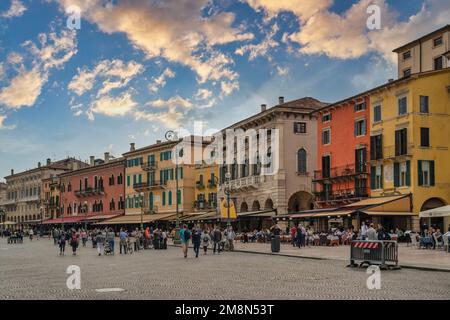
[[343, 142]]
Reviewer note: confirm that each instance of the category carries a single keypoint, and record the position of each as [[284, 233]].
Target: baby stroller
[[107, 249]]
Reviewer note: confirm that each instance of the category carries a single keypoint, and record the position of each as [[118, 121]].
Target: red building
[[94, 193], [343, 150]]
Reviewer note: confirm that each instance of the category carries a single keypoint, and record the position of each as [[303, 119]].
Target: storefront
[[438, 217]]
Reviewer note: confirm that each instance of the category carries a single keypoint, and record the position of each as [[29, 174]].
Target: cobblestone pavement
[[36, 271]]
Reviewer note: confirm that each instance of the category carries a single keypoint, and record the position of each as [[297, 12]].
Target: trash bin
[[275, 243]]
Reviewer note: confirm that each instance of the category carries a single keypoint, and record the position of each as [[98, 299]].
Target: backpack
[[187, 235], [74, 239]]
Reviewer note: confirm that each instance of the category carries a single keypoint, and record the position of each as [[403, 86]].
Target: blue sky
[[137, 68]]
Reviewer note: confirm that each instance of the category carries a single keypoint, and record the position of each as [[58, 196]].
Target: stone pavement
[[34, 270], [408, 256]]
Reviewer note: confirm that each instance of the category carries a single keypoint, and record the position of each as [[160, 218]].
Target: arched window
[[301, 161]]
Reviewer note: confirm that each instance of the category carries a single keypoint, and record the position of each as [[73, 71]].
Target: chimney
[[39, 164], [132, 148], [92, 160], [280, 100], [263, 107], [75, 165], [106, 157], [158, 141], [48, 161], [12, 171]]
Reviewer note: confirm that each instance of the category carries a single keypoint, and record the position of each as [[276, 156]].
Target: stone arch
[[244, 207], [268, 205], [432, 203], [300, 201], [256, 206]]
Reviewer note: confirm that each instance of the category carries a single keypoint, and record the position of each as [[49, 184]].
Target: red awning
[[65, 220]]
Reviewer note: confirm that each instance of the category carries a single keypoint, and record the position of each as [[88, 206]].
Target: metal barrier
[[374, 252]]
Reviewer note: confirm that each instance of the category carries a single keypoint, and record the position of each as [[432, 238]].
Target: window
[[360, 127], [170, 198], [437, 41], [402, 174], [120, 179], [407, 72], [326, 166], [360, 106], [402, 106], [376, 147], [299, 127], [360, 160], [438, 63], [377, 113], [326, 117], [401, 139], [164, 198], [128, 181], [301, 161], [407, 55], [376, 177], [326, 136], [424, 104], [424, 137], [426, 173]]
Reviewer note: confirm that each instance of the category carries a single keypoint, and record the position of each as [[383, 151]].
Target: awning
[[72, 219], [377, 201], [436, 212], [135, 218], [8, 223], [257, 214], [211, 215], [101, 217], [387, 213], [322, 213], [334, 214]]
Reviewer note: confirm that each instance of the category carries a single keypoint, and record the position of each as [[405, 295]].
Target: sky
[[137, 68]]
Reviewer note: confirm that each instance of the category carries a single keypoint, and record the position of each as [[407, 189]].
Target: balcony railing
[[211, 183], [200, 185], [341, 195], [89, 191], [149, 166], [391, 152], [143, 186], [344, 172], [200, 205]]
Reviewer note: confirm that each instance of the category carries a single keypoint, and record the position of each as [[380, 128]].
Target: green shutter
[[161, 156], [170, 198], [164, 198], [382, 177], [372, 177], [408, 173], [419, 172], [431, 173], [396, 174], [128, 181], [179, 196], [150, 199]]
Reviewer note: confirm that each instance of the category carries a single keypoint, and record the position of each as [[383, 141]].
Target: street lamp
[[85, 206], [227, 191]]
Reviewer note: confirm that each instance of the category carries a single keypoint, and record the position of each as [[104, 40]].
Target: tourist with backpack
[[185, 235], [74, 242], [206, 239], [217, 238], [196, 240], [62, 242]]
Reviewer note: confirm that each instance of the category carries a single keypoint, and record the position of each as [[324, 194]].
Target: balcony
[[391, 152], [212, 183], [152, 210], [145, 186], [200, 185], [246, 183], [202, 205], [149, 166], [89, 191], [345, 195], [343, 173]]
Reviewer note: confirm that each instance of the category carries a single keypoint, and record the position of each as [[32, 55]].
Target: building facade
[[97, 190], [410, 136], [277, 176], [23, 203], [430, 52], [51, 197], [206, 182], [343, 148]]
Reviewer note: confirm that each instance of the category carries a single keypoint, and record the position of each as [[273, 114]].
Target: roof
[[306, 104], [435, 32], [60, 164], [110, 163]]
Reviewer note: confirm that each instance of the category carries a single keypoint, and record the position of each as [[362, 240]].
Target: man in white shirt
[[371, 233], [363, 231]]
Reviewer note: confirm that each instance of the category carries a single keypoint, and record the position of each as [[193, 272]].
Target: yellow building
[[150, 177], [50, 197], [410, 141], [206, 180]]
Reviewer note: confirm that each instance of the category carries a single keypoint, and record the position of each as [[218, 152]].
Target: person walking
[[31, 233], [110, 237], [206, 239], [196, 240], [217, 238], [230, 238], [62, 242], [55, 234], [123, 235], [100, 239], [84, 237], [146, 237], [74, 242], [164, 239], [293, 235], [185, 235]]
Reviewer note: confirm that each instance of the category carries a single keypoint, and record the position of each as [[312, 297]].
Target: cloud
[[171, 103], [170, 119], [115, 74], [302, 8], [282, 71], [160, 81], [203, 94], [26, 86], [174, 30], [23, 90], [15, 10], [262, 48], [2, 124], [113, 106], [228, 87]]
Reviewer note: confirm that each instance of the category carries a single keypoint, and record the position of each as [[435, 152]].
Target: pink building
[[93, 193]]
